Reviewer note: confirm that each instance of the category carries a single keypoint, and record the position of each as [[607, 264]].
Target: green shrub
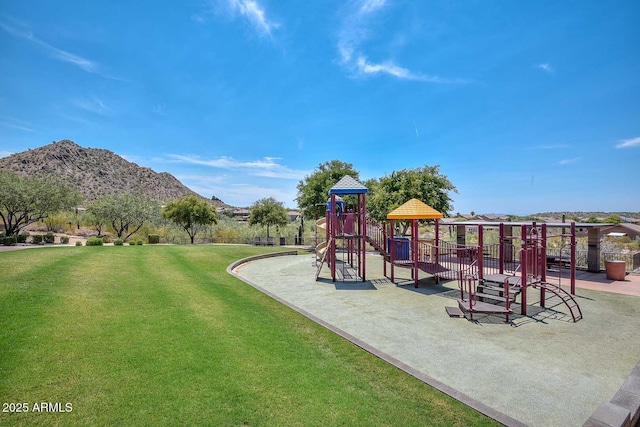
[[37, 239], [22, 237], [154, 238], [139, 243], [132, 242], [9, 240], [64, 240], [78, 243], [49, 238], [118, 242], [106, 239], [95, 241]]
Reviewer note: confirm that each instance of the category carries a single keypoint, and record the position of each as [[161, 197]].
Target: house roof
[[414, 209], [348, 185]]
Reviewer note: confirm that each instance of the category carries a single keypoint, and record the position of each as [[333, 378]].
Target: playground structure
[[344, 249], [490, 276]]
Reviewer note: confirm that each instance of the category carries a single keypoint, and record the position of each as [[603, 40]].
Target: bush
[[132, 242], [37, 239], [64, 240], [22, 237], [78, 243], [95, 241], [139, 243], [49, 238], [9, 240], [106, 239], [154, 238], [118, 242]]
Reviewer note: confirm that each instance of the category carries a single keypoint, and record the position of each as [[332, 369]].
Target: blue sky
[[526, 106]]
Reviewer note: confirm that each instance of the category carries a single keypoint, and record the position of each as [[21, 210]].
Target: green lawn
[[162, 335]]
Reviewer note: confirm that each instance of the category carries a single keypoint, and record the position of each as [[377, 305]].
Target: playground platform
[[538, 370]]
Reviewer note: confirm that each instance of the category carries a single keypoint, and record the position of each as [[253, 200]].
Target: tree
[[268, 212], [426, 184], [313, 190], [24, 201], [613, 219], [190, 213], [126, 213]]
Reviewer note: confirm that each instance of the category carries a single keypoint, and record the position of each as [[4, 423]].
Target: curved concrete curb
[[467, 400]]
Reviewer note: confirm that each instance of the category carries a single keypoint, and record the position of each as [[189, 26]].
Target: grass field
[[162, 335]]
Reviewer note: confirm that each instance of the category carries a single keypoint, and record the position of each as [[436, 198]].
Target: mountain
[[96, 172]]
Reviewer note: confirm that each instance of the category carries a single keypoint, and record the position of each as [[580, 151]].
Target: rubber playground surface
[[540, 370]]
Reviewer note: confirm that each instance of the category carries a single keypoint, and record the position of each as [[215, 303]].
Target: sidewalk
[[540, 370]]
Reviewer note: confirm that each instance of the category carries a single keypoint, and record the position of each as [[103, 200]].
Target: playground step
[[500, 278], [454, 312], [491, 286], [492, 297], [481, 307]]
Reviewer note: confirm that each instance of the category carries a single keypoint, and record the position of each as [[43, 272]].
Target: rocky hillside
[[95, 172]]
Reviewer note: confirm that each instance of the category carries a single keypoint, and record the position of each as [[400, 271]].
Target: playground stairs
[[474, 297], [491, 288]]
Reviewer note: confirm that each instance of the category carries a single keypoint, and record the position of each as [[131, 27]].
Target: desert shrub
[[154, 238], [64, 240], [226, 235], [49, 238], [106, 239], [9, 240], [118, 242], [95, 241], [37, 239], [78, 243], [22, 237], [139, 243]]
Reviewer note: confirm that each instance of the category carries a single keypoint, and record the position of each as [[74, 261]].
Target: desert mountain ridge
[[96, 172]]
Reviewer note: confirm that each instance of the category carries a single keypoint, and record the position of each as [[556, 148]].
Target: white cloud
[[546, 67], [369, 6], [569, 161], [355, 31], [59, 54], [13, 123], [92, 104], [5, 153], [266, 167], [626, 143], [251, 10]]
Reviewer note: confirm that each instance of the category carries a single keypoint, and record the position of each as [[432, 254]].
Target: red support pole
[[543, 255], [573, 258], [523, 269], [437, 242], [385, 247], [414, 249], [501, 249], [543, 264], [364, 235], [334, 225], [392, 250], [480, 252]]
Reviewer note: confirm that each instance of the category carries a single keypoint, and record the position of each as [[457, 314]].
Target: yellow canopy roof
[[414, 209]]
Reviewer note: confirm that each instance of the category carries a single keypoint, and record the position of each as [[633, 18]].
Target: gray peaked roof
[[348, 185]]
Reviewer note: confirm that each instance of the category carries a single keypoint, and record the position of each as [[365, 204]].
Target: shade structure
[[414, 209], [348, 185]]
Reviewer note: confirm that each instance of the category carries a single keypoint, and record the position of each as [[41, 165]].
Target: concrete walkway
[[539, 370]]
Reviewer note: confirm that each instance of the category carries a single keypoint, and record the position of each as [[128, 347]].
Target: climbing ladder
[[564, 296]]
